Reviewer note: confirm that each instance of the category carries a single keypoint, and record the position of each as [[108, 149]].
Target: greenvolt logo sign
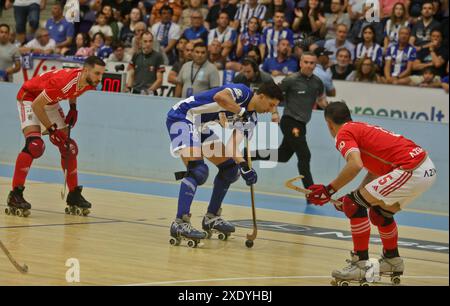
[[434, 114]]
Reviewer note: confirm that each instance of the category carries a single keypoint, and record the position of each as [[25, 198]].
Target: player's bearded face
[[95, 75]]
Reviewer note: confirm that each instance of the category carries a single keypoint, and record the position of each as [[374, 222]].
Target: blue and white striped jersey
[[202, 108], [271, 37]]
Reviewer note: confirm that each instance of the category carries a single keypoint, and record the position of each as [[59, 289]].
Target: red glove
[[320, 194], [72, 115], [57, 137]]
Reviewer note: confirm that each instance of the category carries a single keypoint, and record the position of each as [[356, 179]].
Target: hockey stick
[[66, 163], [22, 269], [290, 184], [251, 237]]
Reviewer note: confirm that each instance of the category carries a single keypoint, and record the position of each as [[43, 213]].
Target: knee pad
[[380, 217], [352, 209], [72, 151], [198, 170], [228, 171], [34, 146]]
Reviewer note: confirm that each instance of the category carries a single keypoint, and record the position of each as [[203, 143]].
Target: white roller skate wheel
[[26, 213], [395, 280], [333, 282], [7, 211], [86, 212], [191, 244], [19, 213], [78, 212], [208, 235], [173, 241], [364, 284], [67, 210], [344, 284]]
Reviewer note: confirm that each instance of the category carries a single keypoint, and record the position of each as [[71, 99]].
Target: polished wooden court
[[125, 242]]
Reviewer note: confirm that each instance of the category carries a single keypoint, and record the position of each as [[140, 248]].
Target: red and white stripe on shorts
[[396, 184]]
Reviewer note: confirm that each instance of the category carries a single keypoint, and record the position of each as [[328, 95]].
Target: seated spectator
[[434, 55], [167, 33], [42, 44], [124, 7], [286, 6], [340, 42], [194, 5], [366, 71], [197, 33], [197, 75], [127, 33], [136, 43], [145, 69], [216, 9], [322, 72], [369, 48], [9, 55], [115, 25], [119, 54], [343, 67], [421, 33], [81, 46], [174, 4], [100, 49], [283, 64], [308, 21], [387, 7], [224, 34], [215, 56], [102, 26], [25, 10], [400, 57], [185, 50], [427, 79], [333, 20], [60, 30], [398, 19], [251, 76], [356, 32], [248, 39], [253, 53], [272, 35], [247, 10]]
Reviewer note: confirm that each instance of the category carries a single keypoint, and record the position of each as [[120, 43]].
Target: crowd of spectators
[[406, 45]]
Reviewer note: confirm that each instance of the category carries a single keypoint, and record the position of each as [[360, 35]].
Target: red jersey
[[381, 151], [56, 85]]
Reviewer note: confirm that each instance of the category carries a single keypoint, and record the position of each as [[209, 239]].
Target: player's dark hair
[[5, 26], [94, 60], [166, 7], [338, 112], [271, 90]]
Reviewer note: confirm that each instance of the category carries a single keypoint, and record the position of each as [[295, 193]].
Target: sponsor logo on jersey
[[238, 93]]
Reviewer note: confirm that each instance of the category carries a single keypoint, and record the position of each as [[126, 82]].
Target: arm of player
[[226, 100], [367, 179], [352, 168], [38, 107]]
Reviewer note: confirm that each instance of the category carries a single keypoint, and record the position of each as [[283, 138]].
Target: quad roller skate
[[216, 224], [76, 203], [181, 229], [355, 272], [392, 267], [17, 205]]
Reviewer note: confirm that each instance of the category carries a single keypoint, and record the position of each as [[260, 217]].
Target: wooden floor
[[125, 241]]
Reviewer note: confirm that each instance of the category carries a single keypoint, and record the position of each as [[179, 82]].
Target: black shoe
[[16, 199], [74, 198]]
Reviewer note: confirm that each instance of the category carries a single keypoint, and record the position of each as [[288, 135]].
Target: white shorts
[[28, 118], [401, 186]]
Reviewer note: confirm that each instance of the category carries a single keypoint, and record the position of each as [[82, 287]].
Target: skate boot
[[354, 272], [392, 267], [216, 224], [76, 203], [181, 229], [17, 205]]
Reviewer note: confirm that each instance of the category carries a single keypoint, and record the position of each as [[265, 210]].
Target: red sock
[[389, 236], [360, 233], [72, 174], [23, 164]]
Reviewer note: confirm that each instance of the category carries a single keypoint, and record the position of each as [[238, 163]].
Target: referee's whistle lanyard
[[194, 76]]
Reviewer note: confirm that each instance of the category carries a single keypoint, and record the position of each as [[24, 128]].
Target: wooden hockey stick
[[66, 164], [22, 269], [251, 237], [290, 184]]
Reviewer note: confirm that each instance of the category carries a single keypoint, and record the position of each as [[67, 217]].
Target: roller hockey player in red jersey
[[398, 172], [39, 111]]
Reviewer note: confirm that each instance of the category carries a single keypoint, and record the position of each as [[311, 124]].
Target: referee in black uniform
[[302, 90]]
